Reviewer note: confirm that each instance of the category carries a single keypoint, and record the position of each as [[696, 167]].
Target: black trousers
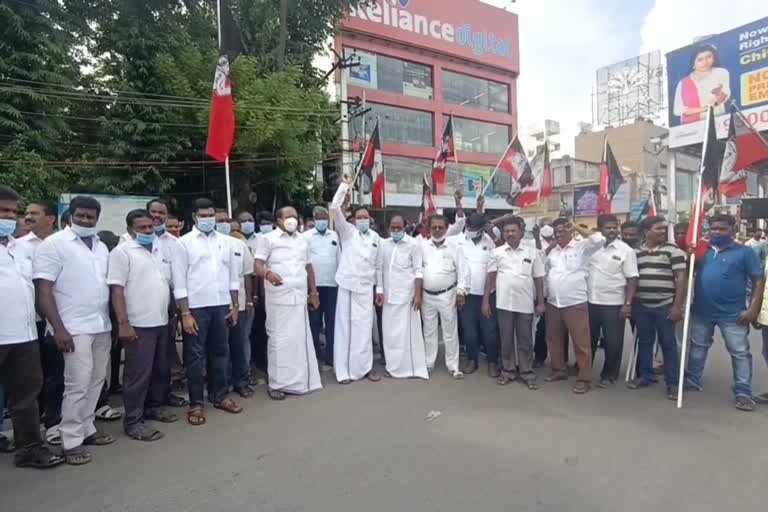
[[611, 322], [22, 378], [52, 393]]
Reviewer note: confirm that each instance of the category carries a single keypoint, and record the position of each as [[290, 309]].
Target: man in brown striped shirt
[[658, 304]]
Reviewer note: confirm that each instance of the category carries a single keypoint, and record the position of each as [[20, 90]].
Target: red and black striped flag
[[446, 151], [610, 179], [371, 164]]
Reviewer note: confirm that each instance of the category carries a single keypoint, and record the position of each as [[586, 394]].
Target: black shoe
[[176, 401], [38, 457], [470, 367]]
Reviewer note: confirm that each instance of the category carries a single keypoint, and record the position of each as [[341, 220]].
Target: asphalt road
[[372, 447]]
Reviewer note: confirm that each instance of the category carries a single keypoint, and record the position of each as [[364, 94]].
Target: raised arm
[[343, 228]]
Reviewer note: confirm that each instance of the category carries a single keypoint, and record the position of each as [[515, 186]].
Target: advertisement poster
[[476, 178], [417, 80], [585, 200], [732, 66], [365, 75], [113, 209]]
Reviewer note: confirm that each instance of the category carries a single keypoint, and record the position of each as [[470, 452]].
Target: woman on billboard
[[706, 84]]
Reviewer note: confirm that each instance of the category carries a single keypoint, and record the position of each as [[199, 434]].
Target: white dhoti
[[444, 307], [292, 364], [404, 341], [353, 335]]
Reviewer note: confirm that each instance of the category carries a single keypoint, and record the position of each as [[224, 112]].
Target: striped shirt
[[657, 267]]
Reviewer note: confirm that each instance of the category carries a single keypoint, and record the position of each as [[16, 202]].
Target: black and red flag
[[445, 152], [708, 178], [427, 203], [744, 147], [524, 188], [221, 127], [371, 164], [610, 179]]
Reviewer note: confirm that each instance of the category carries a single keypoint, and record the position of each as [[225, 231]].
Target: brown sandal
[[77, 457], [229, 406], [98, 439], [373, 376], [196, 416], [276, 394]]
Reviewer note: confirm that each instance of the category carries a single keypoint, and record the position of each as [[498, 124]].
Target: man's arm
[[117, 278], [47, 306], [342, 227], [681, 283], [755, 272], [631, 274], [314, 295], [490, 284]]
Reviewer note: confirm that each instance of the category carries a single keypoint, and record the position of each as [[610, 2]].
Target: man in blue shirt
[[720, 299]]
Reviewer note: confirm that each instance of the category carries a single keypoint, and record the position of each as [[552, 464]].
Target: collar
[[197, 232], [444, 243], [508, 247], [11, 242], [613, 244], [30, 237], [69, 234], [285, 233], [327, 232]]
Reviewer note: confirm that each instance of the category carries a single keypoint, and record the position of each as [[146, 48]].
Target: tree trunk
[[283, 35]]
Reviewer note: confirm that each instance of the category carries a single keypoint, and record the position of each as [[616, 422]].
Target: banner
[[713, 72], [585, 200]]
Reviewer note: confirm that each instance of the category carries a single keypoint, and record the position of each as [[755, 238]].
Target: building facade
[[421, 61]]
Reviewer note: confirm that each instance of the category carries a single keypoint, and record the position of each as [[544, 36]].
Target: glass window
[[391, 75], [479, 136], [479, 93], [397, 125]]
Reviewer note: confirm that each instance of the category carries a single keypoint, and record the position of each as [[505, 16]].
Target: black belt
[[438, 292]]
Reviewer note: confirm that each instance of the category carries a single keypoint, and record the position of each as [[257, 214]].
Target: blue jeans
[[736, 342], [210, 341], [327, 312], [653, 322], [238, 366], [475, 325], [764, 331]]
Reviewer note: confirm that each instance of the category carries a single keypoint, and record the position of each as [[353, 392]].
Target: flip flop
[[77, 456], [38, 457], [196, 416], [108, 413], [53, 436], [161, 415], [229, 406], [144, 433], [176, 401], [276, 395], [98, 439]]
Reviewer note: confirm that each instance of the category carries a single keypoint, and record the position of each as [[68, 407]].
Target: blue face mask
[[7, 227], [206, 224], [224, 228], [160, 229], [145, 240], [496, 232], [473, 235], [266, 228], [397, 235], [248, 228], [321, 225], [82, 231], [720, 240], [363, 225]]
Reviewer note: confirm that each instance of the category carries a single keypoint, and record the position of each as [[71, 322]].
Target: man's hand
[[486, 309], [314, 300], [346, 179], [458, 195], [126, 334], [274, 278], [675, 314], [541, 308], [626, 310], [189, 324], [64, 341], [536, 231], [379, 299], [416, 301], [249, 308], [747, 317], [481, 203], [232, 316], [461, 300]]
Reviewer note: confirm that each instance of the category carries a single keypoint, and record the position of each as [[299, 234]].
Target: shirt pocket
[[403, 259], [572, 260], [24, 265], [612, 264]]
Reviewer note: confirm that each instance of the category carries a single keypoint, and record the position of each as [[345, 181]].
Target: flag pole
[[498, 165], [691, 264], [229, 187], [456, 153]]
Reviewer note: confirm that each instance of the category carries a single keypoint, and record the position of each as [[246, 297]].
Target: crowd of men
[[237, 293]]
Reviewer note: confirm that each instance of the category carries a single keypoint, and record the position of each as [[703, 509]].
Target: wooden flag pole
[[229, 187]]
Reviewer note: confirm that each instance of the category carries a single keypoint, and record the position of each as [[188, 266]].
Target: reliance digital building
[[420, 61]]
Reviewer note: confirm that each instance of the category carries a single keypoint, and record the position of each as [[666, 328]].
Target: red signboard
[[467, 29]]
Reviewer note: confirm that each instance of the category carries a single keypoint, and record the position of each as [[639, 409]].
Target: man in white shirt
[[758, 244], [356, 277], [283, 260], [446, 281], [140, 279], [476, 329], [612, 285], [266, 222], [326, 252], [567, 269], [21, 376], [400, 269], [70, 272], [206, 279], [518, 281]]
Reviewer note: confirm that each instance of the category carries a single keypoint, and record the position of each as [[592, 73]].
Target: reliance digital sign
[[467, 29]]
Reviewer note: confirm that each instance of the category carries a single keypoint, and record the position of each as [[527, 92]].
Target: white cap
[[547, 231]]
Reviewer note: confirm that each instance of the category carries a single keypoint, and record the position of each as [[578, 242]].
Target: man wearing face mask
[[477, 249], [719, 298], [283, 259], [70, 272], [206, 277], [326, 251], [400, 270], [139, 278], [356, 277]]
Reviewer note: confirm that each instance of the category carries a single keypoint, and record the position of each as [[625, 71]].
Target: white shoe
[[457, 374]]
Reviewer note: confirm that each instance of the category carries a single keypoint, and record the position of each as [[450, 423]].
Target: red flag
[[427, 203], [371, 164], [546, 180], [221, 127], [743, 148], [610, 179], [708, 177], [446, 151], [524, 189]]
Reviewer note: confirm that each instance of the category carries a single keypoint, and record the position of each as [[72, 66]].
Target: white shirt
[[243, 255], [357, 268], [479, 260], [31, 242], [287, 256], [444, 266], [79, 277], [399, 265], [609, 269], [749, 243], [146, 280], [167, 243], [17, 315], [253, 242], [516, 270], [567, 270], [326, 252], [205, 270]]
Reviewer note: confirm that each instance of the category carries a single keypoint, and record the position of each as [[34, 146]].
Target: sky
[[564, 42]]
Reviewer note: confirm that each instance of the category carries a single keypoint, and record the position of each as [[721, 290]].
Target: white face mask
[[290, 224], [436, 239]]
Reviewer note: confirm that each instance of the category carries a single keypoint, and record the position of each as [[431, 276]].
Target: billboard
[[713, 71], [628, 89], [467, 29]]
